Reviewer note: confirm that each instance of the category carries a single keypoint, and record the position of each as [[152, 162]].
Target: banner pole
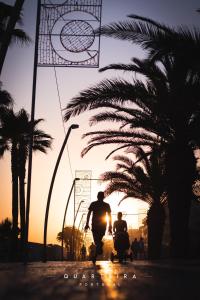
[[30, 151]]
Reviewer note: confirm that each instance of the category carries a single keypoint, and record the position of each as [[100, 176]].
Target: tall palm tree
[[14, 136], [163, 109], [143, 179], [41, 142], [165, 43], [8, 141]]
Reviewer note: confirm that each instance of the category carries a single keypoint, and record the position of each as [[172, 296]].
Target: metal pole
[[74, 201], [72, 237], [81, 220], [9, 30], [78, 230], [62, 256], [73, 126], [72, 243], [31, 129]]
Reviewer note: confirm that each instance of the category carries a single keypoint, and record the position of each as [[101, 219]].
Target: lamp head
[[74, 126]]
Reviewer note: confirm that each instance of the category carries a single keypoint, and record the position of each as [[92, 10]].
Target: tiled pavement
[[140, 280]]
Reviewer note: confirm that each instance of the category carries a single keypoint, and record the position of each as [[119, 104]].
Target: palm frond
[[5, 97], [114, 141], [122, 67], [20, 36], [111, 117], [108, 92], [128, 135], [119, 148], [158, 25]]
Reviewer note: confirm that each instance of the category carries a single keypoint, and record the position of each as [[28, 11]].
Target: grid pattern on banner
[[83, 190], [67, 34]]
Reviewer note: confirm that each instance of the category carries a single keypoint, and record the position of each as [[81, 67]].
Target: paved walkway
[[139, 280]]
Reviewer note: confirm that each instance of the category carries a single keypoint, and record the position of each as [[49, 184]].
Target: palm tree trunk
[[181, 171], [22, 172], [14, 169], [155, 223]]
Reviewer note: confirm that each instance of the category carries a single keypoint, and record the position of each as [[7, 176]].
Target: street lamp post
[[78, 230], [62, 256], [73, 228], [73, 126]]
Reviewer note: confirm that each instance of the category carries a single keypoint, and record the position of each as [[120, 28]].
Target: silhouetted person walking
[[99, 209], [120, 229], [121, 237], [119, 225], [92, 250], [83, 252], [135, 248], [141, 248]]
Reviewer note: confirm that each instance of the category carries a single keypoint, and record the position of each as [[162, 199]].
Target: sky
[[17, 79]]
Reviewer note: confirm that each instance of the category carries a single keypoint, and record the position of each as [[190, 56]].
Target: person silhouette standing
[[99, 209], [120, 225], [121, 237]]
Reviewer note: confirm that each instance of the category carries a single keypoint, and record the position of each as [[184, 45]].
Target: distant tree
[[5, 229], [78, 238]]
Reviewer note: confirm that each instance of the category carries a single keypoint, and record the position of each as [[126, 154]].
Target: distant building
[[36, 252], [142, 213]]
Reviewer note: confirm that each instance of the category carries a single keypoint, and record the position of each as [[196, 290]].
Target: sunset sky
[[17, 79]]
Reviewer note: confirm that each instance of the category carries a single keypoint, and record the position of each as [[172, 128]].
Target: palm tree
[[6, 101], [18, 34], [163, 44], [14, 136], [144, 180], [41, 142], [8, 141], [5, 98], [159, 40], [68, 231], [163, 110], [9, 16]]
